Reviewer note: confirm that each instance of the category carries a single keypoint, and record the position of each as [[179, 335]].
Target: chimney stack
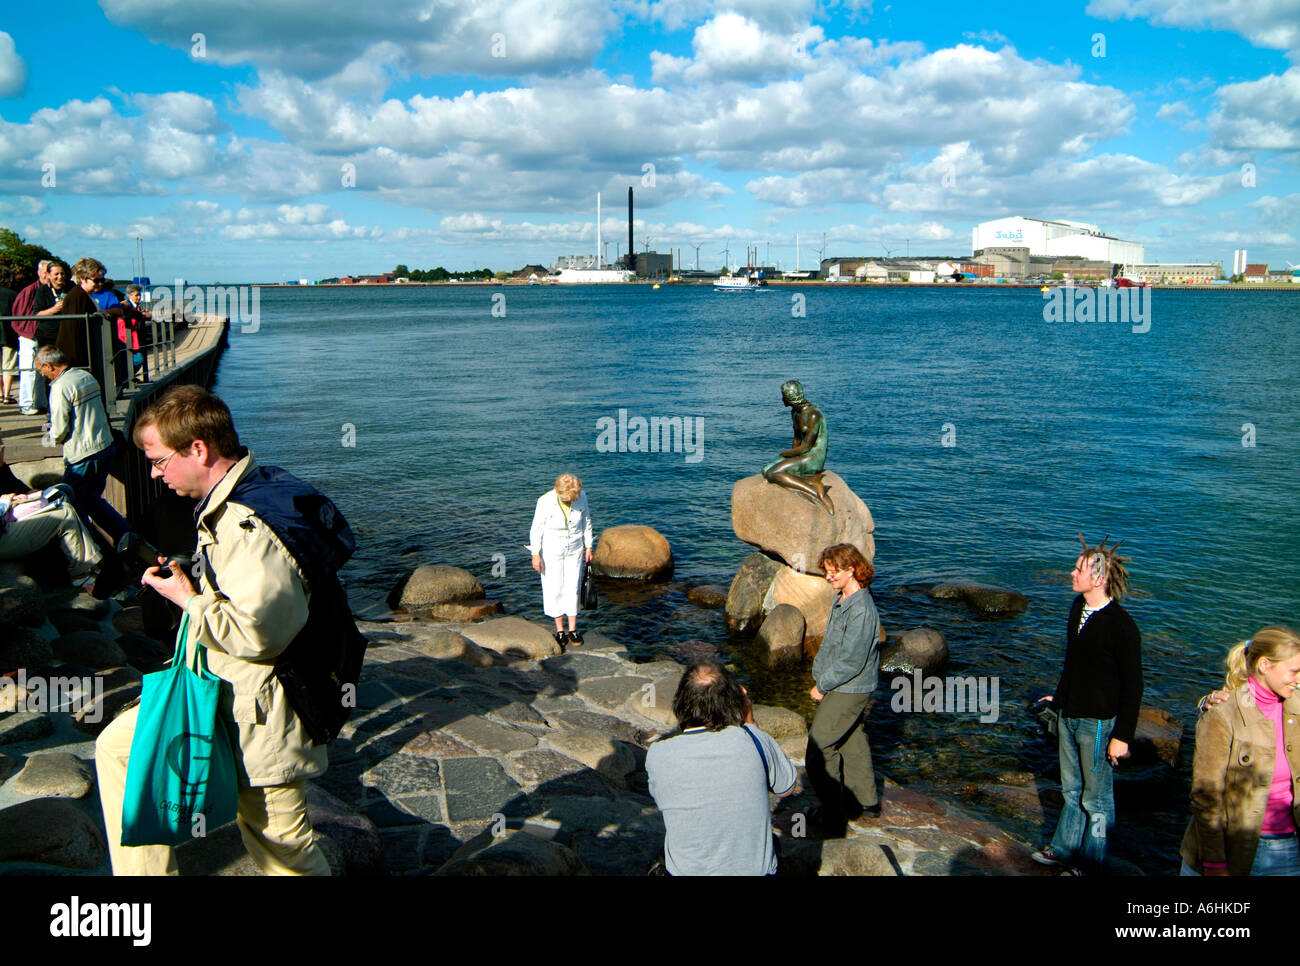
[[631, 247]]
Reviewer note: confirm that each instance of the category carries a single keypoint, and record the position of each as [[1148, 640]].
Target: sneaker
[[575, 638], [29, 412], [1072, 871], [1047, 857], [560, 638]]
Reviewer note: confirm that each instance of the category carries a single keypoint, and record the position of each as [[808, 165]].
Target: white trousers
[[561, 580], [31, 388]]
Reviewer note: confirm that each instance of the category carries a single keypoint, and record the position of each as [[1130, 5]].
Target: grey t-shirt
[[712, 791]]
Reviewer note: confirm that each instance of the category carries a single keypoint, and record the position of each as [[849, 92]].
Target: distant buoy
[[656, 285], [1043, 289]]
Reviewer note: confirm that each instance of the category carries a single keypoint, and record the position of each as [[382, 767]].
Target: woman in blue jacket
[[838, 759]]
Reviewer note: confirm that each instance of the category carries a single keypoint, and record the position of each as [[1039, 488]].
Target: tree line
[[440, 274]]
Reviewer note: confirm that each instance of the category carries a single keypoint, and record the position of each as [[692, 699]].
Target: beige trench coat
[[259, 608]]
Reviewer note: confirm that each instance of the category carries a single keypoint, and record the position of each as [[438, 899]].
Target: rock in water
[[512, 853], [982, 598], [748, 589], [780, 640], [1159, 737], [921, 648], [809, 593], [435, 584], [708, 595], [633, 552], [785, 523]]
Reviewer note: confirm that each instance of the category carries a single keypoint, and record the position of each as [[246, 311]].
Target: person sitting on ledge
[[28, 522]]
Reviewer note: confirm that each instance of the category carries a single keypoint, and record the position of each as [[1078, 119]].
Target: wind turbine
[[697, 255]]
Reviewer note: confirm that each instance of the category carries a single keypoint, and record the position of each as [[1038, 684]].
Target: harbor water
[[982, 437]]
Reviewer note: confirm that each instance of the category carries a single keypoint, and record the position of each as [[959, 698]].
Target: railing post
[[153, 346], [171, 343], [110, 368]]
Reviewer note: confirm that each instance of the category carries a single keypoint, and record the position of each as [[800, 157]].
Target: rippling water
[[462, 419]]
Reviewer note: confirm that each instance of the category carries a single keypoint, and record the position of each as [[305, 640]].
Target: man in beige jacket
[[261, 606]]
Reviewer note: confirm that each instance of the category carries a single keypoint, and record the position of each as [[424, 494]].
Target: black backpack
[[320, 667]]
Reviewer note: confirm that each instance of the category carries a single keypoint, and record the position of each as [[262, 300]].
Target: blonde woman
[[1244, 810], [560, 542]]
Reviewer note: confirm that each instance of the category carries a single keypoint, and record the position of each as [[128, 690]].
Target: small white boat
[[739, 283]]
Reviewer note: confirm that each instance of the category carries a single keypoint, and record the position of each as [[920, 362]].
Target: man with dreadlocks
[[1098, 699]]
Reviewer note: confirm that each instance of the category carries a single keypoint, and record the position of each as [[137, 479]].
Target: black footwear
[[869, 811], [575, 638], [560, 638], [823, 825]]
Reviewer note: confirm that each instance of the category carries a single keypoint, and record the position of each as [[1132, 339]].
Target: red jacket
[[23, 306]]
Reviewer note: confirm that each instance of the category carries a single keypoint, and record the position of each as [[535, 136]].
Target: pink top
[[1278, 819]]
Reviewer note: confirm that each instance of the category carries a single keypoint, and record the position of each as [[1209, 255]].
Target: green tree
[[401, 271], [24, 256]]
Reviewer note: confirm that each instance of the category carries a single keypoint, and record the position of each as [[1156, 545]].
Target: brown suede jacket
[[1231, 777]]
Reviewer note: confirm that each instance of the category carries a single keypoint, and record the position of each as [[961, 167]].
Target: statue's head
[[792, 392]]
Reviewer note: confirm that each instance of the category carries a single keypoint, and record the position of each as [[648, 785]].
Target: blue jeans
[[1275, 855], [87, 478], [1086, 784]]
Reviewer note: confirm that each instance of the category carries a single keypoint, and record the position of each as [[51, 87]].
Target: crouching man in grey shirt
[[711, 781]]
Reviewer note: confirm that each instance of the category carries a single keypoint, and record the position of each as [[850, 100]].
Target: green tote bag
[[182, 764]]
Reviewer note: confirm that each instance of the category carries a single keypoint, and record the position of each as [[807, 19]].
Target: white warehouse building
[[1055, 239]]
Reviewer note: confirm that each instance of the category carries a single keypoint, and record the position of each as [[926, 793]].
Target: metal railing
[[117, 379]]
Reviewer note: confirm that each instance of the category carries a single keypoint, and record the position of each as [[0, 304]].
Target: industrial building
[[1176, 273], [1054, 239]]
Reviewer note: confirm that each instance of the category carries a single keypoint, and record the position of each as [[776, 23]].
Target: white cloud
[[985, 37], [1265, 23], [357, 42], [13, 71], [1259, 115]]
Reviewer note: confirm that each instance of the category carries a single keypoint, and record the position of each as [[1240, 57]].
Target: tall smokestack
[[631, 248]]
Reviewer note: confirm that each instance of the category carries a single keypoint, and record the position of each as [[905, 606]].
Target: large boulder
[[514, 637], [55, 831], [513, 852], [922, 648], [20, 596], [708, 595], [23, 647], [780, 723], [748, 589], [779, 642], [812, 595], [451, 646], [633, 552], [787, 524], [984, 599], [434, 584], [55, 774], [89, 649]]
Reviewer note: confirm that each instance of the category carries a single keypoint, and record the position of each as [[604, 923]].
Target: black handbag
[[587, 595]]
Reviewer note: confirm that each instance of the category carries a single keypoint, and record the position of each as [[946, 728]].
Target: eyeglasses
[[161, 462], [832, 573]]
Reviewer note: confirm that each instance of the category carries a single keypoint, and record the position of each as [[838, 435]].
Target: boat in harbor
[[746, 282]]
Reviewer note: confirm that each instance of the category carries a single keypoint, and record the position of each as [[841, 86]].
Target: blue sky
[[307, 139]]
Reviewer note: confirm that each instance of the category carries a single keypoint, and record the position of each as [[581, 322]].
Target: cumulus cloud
[[1265, 23], [13, 71], [1259, 115], [356, 42]]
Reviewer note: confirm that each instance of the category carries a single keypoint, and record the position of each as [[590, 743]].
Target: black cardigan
[[1103, 669]]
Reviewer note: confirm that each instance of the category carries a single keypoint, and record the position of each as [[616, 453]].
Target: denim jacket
[[849, 658]]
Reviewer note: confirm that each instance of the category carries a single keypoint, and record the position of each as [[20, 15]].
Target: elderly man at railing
[[78, 421]]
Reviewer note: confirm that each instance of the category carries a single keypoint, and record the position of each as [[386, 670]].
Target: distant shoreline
[[778, 283]]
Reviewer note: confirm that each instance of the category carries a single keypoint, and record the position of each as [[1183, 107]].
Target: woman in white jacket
[[560, 543]]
